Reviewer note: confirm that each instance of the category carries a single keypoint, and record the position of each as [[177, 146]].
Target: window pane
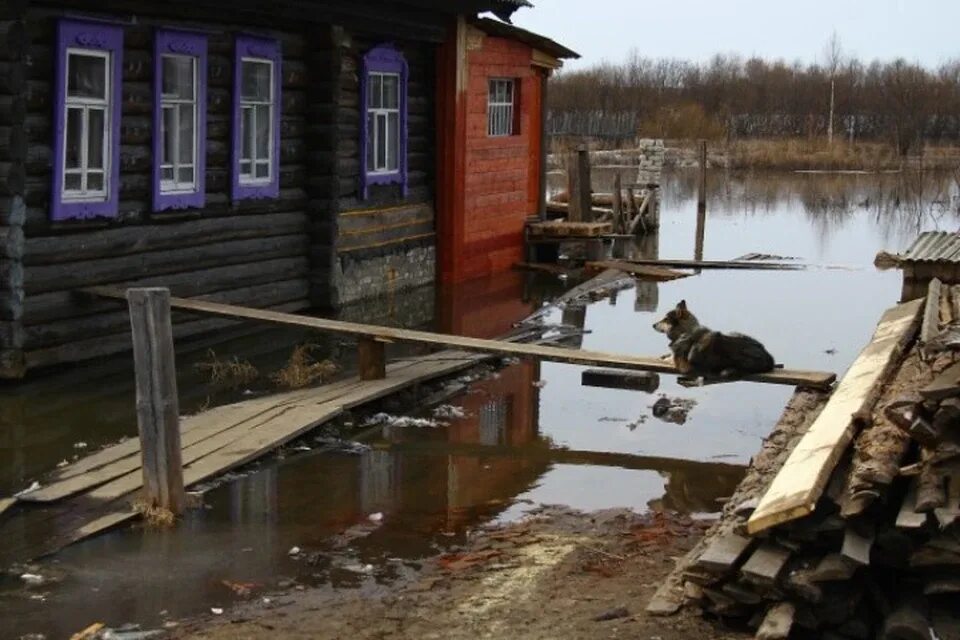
[[185, 175], [71, 182], [95, 138], [374, 91], [246, 126], [263, 132], [166, 173], [393, 140], [168, 131], [178, 77], [245, 168], [94, 181], [74, 133], [86, 76], [371, 119], [186, 134], [262, 170], [255, 83], [381, 141], [391, 92]]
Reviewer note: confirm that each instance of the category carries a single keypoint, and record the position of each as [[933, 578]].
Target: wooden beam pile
[[858, 534]]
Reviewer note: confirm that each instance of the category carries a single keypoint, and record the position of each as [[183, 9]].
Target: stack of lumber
[[853, 531]]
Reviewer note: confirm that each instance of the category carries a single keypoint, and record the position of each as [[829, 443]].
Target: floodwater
[[529, 434]]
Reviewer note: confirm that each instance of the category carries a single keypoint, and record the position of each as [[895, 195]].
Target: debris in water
[[32, 487], [375, 517], [387, 419], [636, 423], [673, 410], [129, 632], [80, 445], [32, 579], [449, 412], [294, 551], [89, 632], [359, 568], [62, 463], [831, 351], [539, 384], [242, 589], [609, 419], [612, 614], [216, 611]]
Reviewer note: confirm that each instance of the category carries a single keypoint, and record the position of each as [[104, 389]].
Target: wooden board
[[558, 229], [856, 547], [6, 503], [613, 379], [720, 264], [815, 379], [766, 563], [657, 274], [931, 312], [723, 553], [799, 484], [907, 517], [945, 385]]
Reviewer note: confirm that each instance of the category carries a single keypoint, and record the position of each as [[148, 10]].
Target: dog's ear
[[682, 306]]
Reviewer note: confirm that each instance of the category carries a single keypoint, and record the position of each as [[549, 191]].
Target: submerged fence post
[[701, 204], [372, 361], [158, 411]]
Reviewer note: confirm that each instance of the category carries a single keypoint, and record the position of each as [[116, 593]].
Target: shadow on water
[[529, 435]]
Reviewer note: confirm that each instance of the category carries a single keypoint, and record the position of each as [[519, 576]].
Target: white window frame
[[500, 113], [173, 187], [86, 104], [373, 137], [248, 179]]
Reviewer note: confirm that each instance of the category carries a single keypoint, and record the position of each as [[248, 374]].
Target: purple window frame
[[168, 41], [384, 58], [267, 49], [94, 36]]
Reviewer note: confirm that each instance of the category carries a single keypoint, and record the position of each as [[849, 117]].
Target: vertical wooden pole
[[616, 204], [701, 204], [583, 170], [372, 359], [158, 412]]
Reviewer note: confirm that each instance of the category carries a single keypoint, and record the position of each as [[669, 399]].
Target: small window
[[179, 120], [383, 123], [87, 117], [500, 111], [383, 136], [256, 118]]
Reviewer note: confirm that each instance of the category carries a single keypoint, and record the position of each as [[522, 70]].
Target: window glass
[[255, 80], [74, 138], [86, 76], [95, 130], [178, 77]]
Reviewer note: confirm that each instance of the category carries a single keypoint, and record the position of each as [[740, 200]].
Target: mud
[[557, 573]]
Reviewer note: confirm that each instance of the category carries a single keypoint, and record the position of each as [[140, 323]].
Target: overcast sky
[[919, 30]]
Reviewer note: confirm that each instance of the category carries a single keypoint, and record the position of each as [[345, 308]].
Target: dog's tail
[[746, 354]]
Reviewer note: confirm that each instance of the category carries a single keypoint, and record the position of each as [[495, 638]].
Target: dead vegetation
[[302, 369], [230, 373], [155, 517], [798, 154]]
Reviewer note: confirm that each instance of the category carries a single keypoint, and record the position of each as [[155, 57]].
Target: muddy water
[[529, 434]]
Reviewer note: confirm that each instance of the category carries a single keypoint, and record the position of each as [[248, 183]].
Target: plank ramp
[[799, 484], [95, 493], [814, 379]]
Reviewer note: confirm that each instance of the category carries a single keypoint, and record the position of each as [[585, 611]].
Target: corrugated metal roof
[[934, 246]]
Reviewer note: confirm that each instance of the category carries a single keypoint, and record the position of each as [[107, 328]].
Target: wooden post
[[583, 169], [702, 191], [578, 185], [372, 359], [158, 412], [618, 225]]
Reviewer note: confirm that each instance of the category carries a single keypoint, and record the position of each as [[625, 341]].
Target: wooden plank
[[931, 312], [585, 182], [659, 274], [722, 264], [833, 567], [6, 503], [723, 553], [613, 379], [799, 484], [907, 517], [945, 385], [617, 204], [569, 229], [765, 564], [856, 547], [158, 405], [777, 622], [543, 352]]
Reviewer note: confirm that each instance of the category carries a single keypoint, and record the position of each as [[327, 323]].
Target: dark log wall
[[253, 252], [13, 153], [385, 243]]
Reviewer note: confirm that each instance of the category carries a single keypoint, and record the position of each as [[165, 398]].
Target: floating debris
[[673, 410], [217, 611], [32, 579], [294, 551], [375, 517], [390, 420], [449, 412], [33, 487]]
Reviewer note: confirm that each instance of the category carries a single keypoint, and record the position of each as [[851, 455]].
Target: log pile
[[878, 554]]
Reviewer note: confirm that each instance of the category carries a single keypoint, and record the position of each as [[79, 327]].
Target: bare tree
[[833, 59]]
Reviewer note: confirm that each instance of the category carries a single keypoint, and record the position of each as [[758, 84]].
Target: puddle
[[528, 435]]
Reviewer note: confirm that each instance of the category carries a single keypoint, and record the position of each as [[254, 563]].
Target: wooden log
[[909, 620], [777, 622], [907, 517], [613, 379], [798, 486], [945, 385], [723, 553], [617, 205], [931, 492], [584, 178], [371, 359], [645, 272], [702, 182], [948, 514], [765, 565], [931, 312], [856, 546], [833, 567], [638, 223], [158, 414]]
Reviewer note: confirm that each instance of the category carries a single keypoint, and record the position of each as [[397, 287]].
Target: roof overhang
[[546, 52]]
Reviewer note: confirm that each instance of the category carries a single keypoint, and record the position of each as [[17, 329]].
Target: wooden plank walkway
[[95, 493], [815, 379], [799, 484]]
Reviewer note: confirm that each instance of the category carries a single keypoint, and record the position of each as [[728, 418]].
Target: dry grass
[[154, 516], [302, 369], [801, 154], [232, 373], [687, 121]]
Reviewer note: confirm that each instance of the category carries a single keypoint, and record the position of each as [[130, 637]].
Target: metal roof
[[535, 40], [934, 246]]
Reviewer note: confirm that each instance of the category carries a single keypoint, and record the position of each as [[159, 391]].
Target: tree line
[[897, 101]]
